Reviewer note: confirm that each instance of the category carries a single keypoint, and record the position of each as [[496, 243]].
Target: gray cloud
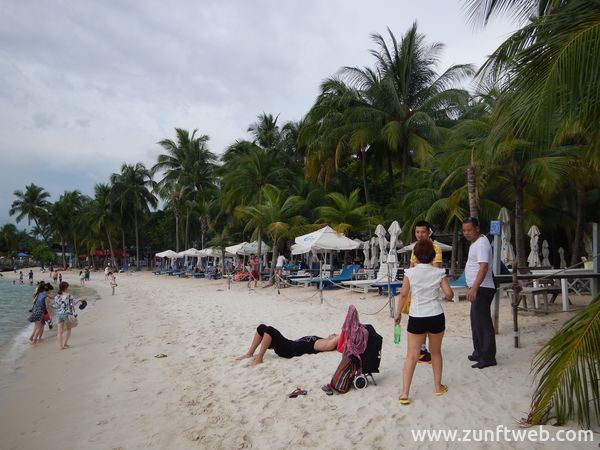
[[93, 84]]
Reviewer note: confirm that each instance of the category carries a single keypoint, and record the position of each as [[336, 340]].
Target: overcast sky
[[88, 85]]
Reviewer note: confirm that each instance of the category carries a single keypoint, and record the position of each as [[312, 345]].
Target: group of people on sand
[[419, 297], [52, 309]]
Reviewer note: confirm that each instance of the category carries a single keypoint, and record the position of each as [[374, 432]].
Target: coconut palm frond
[[569, 372]]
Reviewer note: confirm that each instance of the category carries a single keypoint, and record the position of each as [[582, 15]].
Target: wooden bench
[[533, 292]]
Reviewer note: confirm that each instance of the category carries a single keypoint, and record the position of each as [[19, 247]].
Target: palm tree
[[568, 368], [276, 216], [266, 132], [175, 200], [187, 162], [346, 213], [397, 106], [549, 68], [59, 217], [74, 202], [31, 204], [102, 216], [130, 189], [9, 240]]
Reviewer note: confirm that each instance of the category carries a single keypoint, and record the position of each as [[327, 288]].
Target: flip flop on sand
[[443, 391], [404, 401], [160, 355], [327, 389], [296, 392]]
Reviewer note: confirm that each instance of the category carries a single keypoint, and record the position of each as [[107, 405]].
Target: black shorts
[[431, 324]]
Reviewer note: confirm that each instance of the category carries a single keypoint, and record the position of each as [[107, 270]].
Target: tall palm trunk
[[187, 227], [472, 191], [177, 232], [363, 157], [137, 241], [110, 246], [273, 262], [454, 248], [578, 237], [519, 238], [259, 256], [75, 251], [62, 245], [123, 242]]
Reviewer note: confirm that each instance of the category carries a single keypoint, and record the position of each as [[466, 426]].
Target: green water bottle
[[397, 333]]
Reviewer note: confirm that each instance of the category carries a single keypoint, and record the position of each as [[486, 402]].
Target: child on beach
[[113, 283], [64, 309], [81, 278], [20, 276]]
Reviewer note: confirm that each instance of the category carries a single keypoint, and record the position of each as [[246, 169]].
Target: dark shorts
[[431, 324]]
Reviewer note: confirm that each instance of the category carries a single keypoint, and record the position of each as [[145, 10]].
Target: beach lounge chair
[[459, 286], [346, 275], [365, 284], [382, 287]]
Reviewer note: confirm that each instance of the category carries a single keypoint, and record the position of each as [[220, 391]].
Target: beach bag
[[344, 374], [72, 320], [371, 357]]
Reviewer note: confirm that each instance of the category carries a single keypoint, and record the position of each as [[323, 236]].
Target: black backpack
[[371, 357]]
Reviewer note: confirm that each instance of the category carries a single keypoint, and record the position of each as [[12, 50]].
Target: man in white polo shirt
[[478, 274]]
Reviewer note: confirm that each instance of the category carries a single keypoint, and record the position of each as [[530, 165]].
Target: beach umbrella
[[533, 260], [409, 247], [298, 249], [545, 254], [394, 231], [235, 248], [189, 252], [326, 238], [507, 253], [252, 247], [380, 232], [373, 252], [561, 254], [167, 254], [366, 251]]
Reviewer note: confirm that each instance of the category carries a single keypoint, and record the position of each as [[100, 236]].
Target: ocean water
[[15, 302]]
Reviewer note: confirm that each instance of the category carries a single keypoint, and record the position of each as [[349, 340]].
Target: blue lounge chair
[[382, 287], [346, 275]]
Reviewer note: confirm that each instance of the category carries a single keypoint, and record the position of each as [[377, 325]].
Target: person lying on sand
[[268, 337]]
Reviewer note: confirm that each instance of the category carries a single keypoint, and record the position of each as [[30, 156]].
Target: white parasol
[[366, 251], [545, 254], [561, 254], [380, 232], [507, 253], [394, 231], [373, 252], [533, 260]]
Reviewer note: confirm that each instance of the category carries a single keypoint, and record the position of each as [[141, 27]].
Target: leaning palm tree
[[31, 204], [132, 189], [568, 367]]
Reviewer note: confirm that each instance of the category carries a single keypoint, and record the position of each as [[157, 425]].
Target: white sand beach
[[108, 391]]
